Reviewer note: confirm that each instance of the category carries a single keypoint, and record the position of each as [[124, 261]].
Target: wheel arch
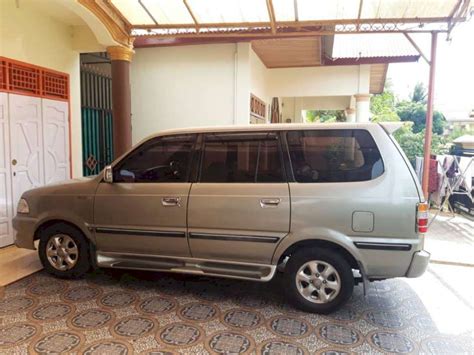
[[51, 222], [320, 243]]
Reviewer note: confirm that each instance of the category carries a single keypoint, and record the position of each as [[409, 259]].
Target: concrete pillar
[[120, 58], [350, 114], [362, 107]]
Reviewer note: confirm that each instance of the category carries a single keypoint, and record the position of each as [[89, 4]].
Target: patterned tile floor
[[113, 312]]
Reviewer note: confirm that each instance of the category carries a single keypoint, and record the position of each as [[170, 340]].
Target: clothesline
[[449, 175]]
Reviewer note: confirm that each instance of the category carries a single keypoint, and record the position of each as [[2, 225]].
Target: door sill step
[[204, 267]]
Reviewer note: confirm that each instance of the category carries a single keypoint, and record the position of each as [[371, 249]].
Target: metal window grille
[[25, 78]]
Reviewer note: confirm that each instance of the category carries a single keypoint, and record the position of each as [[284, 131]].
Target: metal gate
[[97, 129]]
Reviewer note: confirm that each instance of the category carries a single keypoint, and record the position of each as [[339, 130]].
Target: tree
[[416, 113], [325, 116], [410, 136], [419, 93], [413, 144], [382, 107]]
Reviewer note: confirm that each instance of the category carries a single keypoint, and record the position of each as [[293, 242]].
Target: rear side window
[[334, 155], [244, 158]]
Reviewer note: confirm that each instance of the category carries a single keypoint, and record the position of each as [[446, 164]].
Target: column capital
[[362, 97], [120, 53]]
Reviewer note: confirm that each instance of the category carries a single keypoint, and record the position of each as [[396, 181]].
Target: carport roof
[[217, 18]]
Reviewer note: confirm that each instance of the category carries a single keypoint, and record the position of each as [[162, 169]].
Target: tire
[[326, 289], [64, 251]]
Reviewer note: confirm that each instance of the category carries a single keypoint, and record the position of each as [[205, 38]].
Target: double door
[[34, 150], [225, 198]]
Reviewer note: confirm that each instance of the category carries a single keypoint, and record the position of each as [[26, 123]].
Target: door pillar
[[362, 107], [120, 58]]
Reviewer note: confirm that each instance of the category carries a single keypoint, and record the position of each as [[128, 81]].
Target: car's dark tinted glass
[[241, 158], [334, 155], [163, 159]]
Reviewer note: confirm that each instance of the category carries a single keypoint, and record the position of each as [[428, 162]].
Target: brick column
[[120, 58]]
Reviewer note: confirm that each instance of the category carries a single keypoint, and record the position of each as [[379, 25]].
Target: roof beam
[[295, 5], [298, 24], [147, 11], [191, 13], [361, 3], [271, 15], [413, 43], [256, 34]]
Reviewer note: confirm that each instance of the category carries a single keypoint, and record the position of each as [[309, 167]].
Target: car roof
[[264, 127]]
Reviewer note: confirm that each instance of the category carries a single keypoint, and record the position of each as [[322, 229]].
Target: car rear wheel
[[318, 280], [64, 251]]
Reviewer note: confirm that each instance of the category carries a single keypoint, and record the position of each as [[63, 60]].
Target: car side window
[[161, 159], [241, 158], [342, 155]]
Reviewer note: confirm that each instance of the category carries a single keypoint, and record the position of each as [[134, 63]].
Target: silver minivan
[[325, 205]]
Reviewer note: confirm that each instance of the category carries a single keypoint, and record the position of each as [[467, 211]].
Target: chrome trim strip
[[143, 232], [234, 238], [112, 259], [383, 246]]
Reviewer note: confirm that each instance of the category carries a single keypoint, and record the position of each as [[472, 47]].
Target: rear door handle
[[171, 201], [269, 202]]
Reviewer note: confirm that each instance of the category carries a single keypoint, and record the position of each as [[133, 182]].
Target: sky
[[454, 80]]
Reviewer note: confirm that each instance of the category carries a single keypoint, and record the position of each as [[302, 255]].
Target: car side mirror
[[108, 174]]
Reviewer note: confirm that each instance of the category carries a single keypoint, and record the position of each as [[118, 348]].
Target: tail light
[[422, 215]]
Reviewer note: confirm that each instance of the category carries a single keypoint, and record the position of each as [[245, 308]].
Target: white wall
[[259, 85], [204, 85], [319, 81], [34, 38], [189, 86]]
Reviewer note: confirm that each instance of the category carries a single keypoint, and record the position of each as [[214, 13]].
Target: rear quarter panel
[[325, 210]]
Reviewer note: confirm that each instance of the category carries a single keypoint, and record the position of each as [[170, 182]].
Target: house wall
[[259, 85], [41, 40], [189, 86], [205, 85], [319, 81]]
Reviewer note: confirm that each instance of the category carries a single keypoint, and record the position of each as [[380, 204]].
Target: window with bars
[[24, 78]]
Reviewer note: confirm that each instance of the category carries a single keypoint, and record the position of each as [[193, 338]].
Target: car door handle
[[269, 202], [171, 201]]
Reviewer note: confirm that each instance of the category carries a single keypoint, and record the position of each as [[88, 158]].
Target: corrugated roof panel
[[168, 11], [309, 10], [229, 11], [406, 8], [375, 45], [284, 10], [133, 12]]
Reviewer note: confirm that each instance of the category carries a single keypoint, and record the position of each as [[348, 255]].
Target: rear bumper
[[419, 264], [25, 231]]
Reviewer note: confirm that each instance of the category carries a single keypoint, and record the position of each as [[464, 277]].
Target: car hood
[[77, 186]]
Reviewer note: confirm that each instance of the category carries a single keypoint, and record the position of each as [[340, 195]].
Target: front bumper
[[419, 264], [25, 227]]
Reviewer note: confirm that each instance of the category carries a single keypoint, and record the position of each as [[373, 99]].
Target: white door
[[26, 142], [56, 140], [6, 235]]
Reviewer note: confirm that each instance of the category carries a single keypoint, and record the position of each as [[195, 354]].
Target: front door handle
[[269, 202], [171, 201]]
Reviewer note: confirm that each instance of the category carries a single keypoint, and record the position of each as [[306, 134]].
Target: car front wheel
[[318, 280], [64, 251]]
